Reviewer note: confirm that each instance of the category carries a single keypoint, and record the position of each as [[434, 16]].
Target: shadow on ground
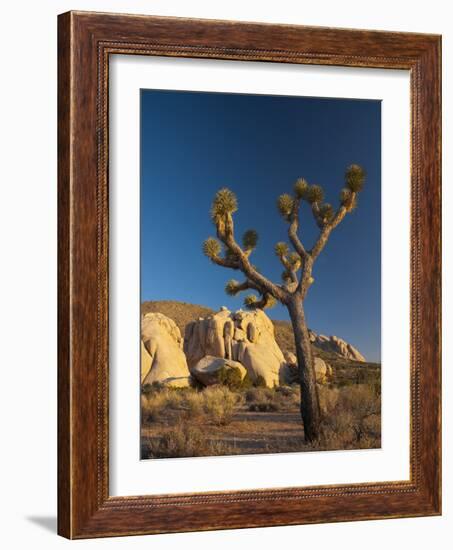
[[49, 523]]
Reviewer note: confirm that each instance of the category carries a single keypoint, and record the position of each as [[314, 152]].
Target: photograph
[[260, 274]]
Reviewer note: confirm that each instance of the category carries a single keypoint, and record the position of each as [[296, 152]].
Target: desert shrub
[[263, 400], [371, 429], [351, 417], [183, 440], [247, 382], [220, 404], [157, 401], [156, 404], [230, 377], [264, 406], [260, 382], [159, 388], [338, 431], [196, 384], [369, 376], [216, 404], [289, 396], [328, 399], [375, 386], [361, 399], [193, 405], [146, 388], [365, 406], [272, 399], [151, 411], [345, 383], [256, 394]]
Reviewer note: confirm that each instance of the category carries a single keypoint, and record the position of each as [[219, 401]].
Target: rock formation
[[162, 357], [224, 340], [336, 345], [323, 370], [245, 337], [208, 369]]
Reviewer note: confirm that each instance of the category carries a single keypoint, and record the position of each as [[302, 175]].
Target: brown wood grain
[[86, 40]]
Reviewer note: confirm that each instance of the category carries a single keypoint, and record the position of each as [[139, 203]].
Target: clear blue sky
[[193, 143]]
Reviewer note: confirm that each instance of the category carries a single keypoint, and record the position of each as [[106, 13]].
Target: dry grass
[[155, 404], [183, 440], [272, 400], [216, 404], [218, 421], [181, 416], [220, 404], [351, 417]]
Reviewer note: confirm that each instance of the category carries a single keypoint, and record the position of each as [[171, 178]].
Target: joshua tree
[[297, 262]]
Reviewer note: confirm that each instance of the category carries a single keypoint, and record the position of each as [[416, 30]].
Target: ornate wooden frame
[[85, 42]]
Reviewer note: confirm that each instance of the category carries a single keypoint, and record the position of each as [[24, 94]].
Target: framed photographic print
[[249, 275]]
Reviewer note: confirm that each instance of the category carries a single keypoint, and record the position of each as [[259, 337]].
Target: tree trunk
[[309, 401]]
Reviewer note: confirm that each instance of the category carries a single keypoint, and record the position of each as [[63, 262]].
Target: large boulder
[[323, 371], [245, 337], [209, 370], [162, 357], [336, 345]]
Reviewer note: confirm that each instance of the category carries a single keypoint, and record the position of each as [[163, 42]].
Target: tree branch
[[289, 268], [327, 230], [233, 287], [264, 284], [317, 215], [293, 228], [224, 262], [266, 300]]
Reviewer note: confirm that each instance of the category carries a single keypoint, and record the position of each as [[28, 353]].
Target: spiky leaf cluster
[[294, 260], [250, 239], [326, 212], [231, 288], [281, 249], [270, 301], [211, 247], [285, 205], [250, 301], [225, 202], [300, 188], [314, 193], [354, 178]]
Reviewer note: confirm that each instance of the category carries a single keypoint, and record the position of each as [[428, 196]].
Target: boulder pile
[[336, 345], [237, 343], [244, 337]]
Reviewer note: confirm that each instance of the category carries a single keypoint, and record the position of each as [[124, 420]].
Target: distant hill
[[181, 312], [284, 336]]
